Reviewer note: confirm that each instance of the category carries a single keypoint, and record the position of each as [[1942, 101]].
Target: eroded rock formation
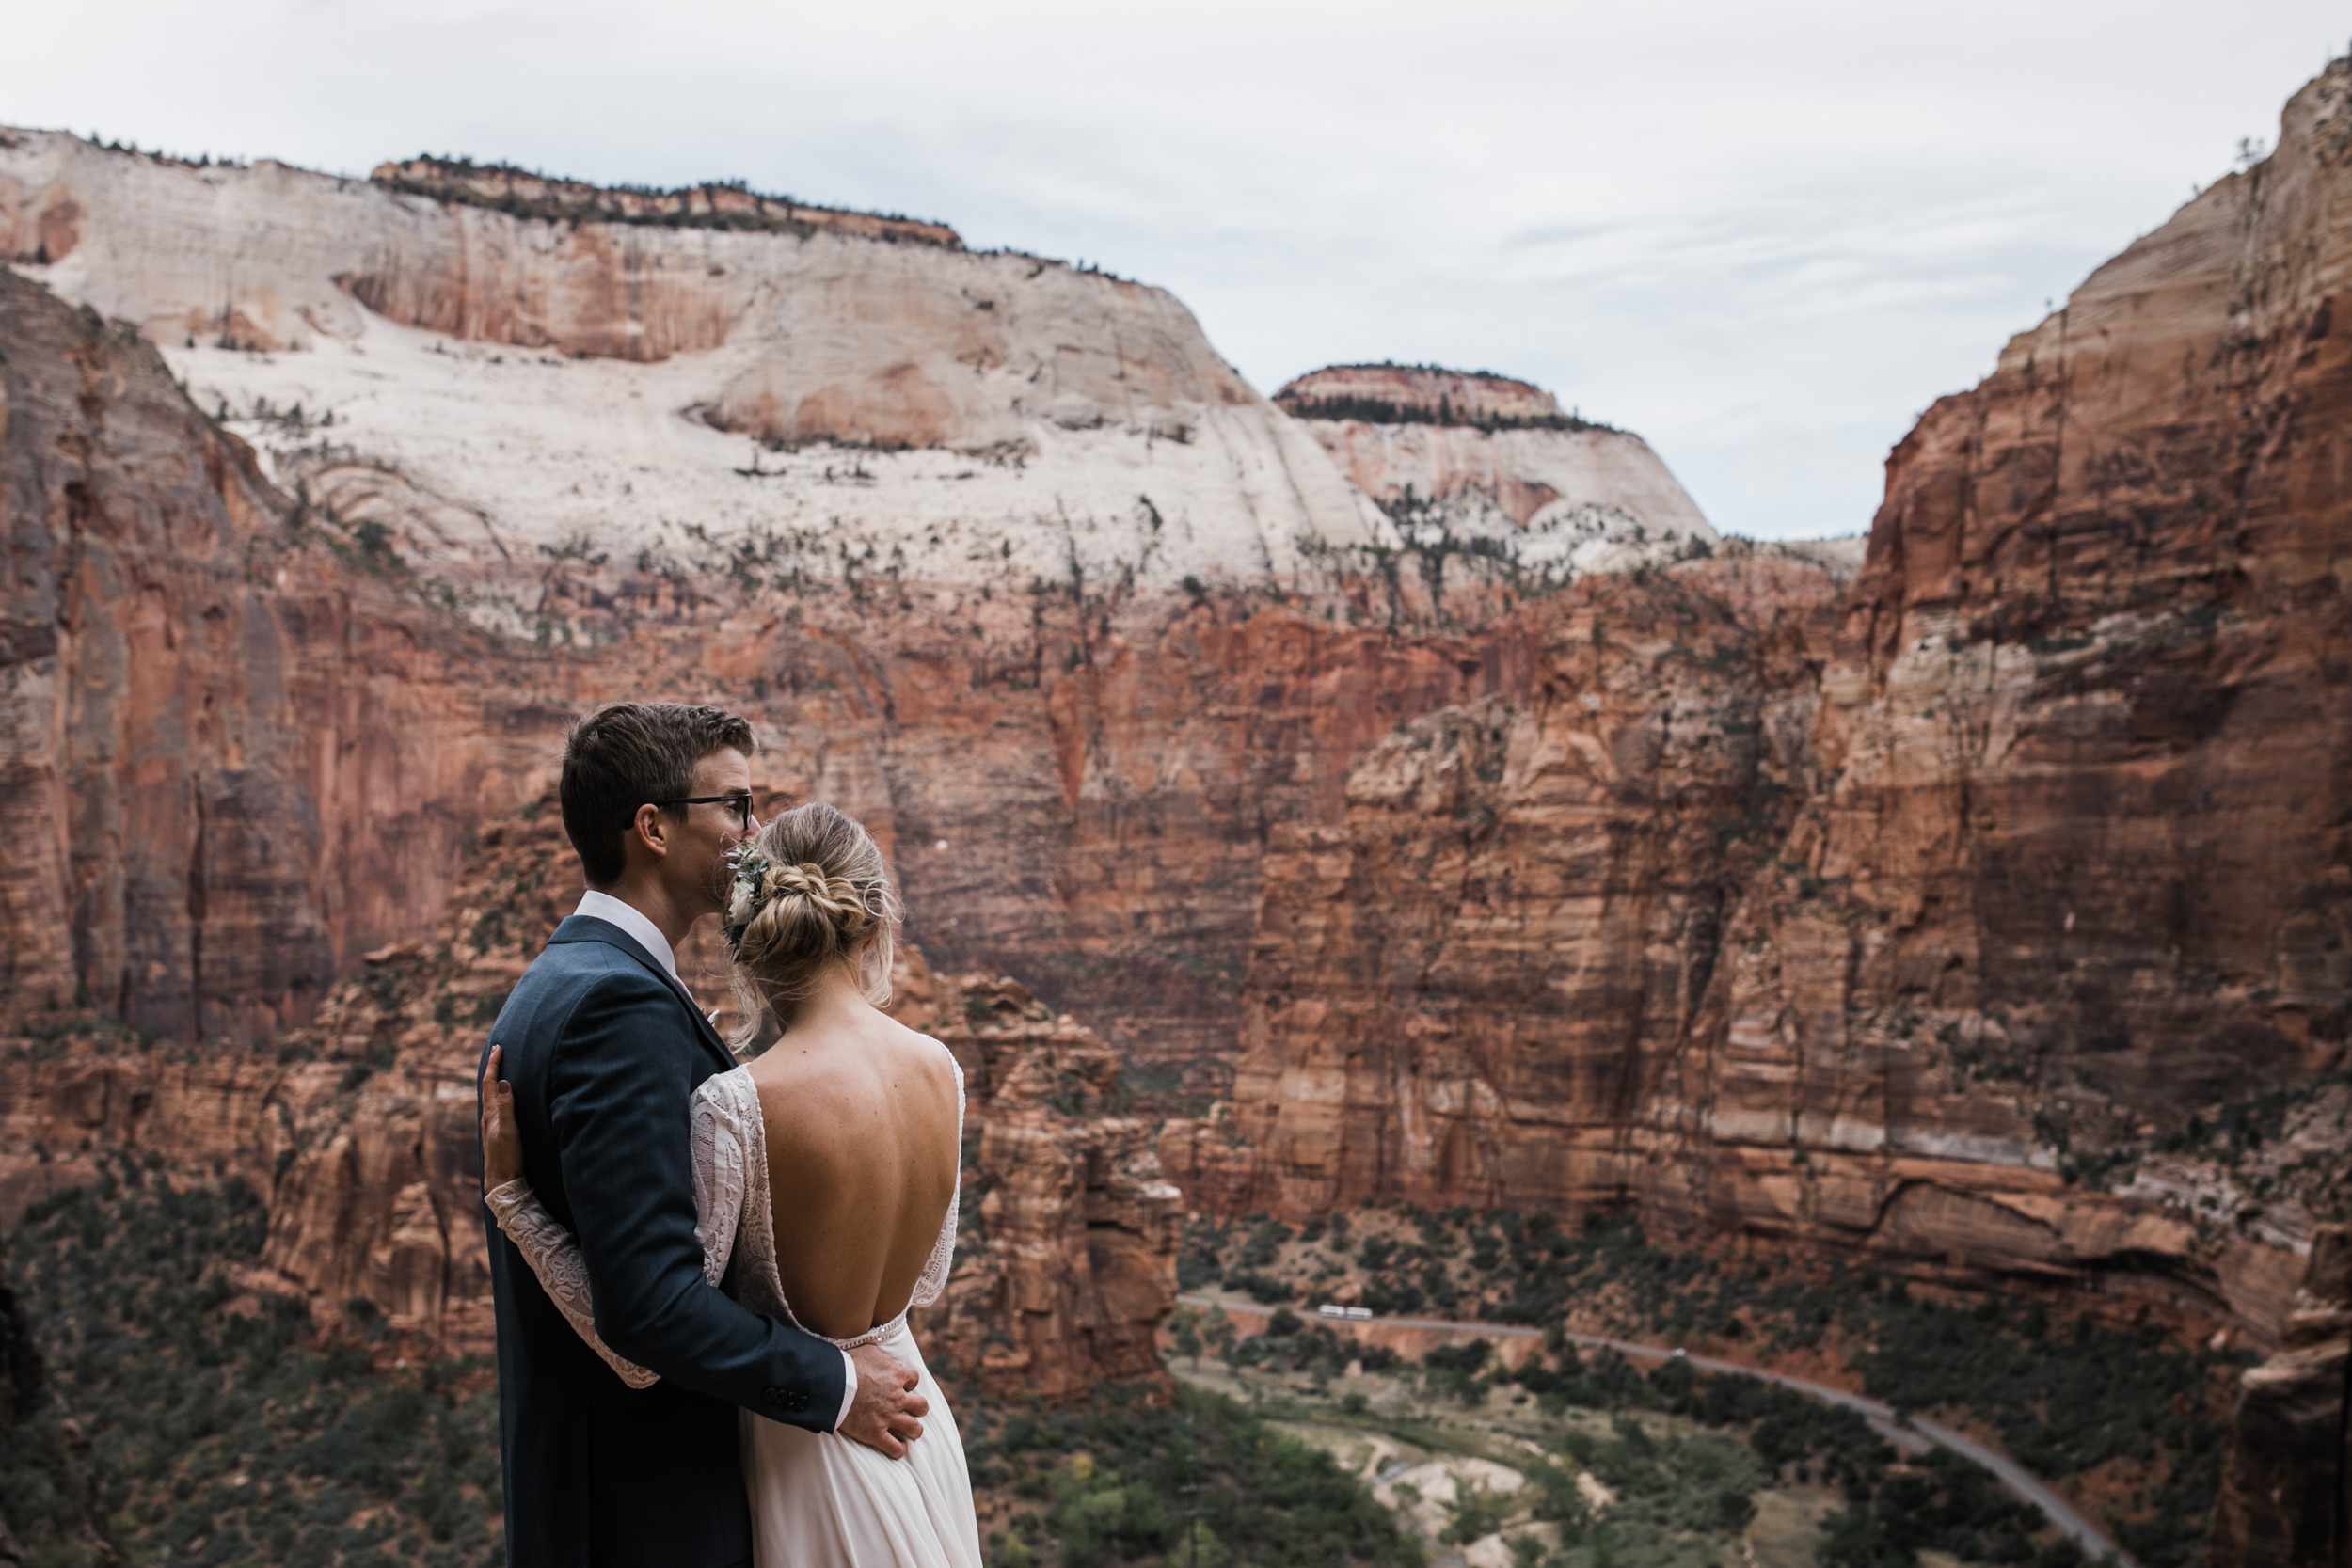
[[1987, 919], [1450, 455], [2051, 884], [1100, 746], [1071, 1257], [2286, 1488], [1461, 991], [360, 1131], [505, 188], [288, 731], [233, 763], [2080, 870]]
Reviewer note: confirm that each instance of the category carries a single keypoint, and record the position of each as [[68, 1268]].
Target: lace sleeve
[[722, 1142], [933, 1284], [553, 1255]]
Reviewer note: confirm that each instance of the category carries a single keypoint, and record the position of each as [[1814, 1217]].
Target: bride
[[825, 1193]]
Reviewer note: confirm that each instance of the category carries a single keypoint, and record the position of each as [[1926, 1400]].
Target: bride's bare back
[[862, 1156]]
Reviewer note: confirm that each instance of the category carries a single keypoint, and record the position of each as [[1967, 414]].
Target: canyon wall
[[2080, 861], [2049, 888], [1096, 633], [2286, 1486], [250, 737], [232, 762], [1459, 990]]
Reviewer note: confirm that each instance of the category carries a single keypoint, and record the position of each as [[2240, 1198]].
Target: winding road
[[1913, 1436]]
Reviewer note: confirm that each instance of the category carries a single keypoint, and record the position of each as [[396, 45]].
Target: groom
[[605, 1049]]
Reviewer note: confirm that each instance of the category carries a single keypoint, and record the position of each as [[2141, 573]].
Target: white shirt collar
[[603, 905]]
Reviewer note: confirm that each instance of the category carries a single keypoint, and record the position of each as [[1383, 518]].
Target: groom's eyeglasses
[[743, 804]]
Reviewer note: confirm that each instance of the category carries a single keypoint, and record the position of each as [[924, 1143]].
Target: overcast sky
[[1765, 237]]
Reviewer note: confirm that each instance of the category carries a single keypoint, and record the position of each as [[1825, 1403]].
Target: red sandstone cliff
[[285, 734], [2286, 1487], [2049, 854], [1461, 991], [232, 761]]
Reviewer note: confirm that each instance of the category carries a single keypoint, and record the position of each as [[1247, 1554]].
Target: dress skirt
[[822, 1501]]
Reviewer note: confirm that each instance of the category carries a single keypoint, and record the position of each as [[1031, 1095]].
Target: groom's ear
[[649, 833]]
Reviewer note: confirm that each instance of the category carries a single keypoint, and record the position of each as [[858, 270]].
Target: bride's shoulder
[[922, 1051], [728, 1092]]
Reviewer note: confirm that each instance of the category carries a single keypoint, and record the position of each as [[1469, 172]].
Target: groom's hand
[[884, 1416]]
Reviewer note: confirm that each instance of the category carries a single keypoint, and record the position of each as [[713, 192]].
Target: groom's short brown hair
[[629, 755]]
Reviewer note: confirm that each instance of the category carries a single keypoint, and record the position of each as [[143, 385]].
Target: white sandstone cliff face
[[1561, 493], [495, 390], [1488, 458], [493, 398]]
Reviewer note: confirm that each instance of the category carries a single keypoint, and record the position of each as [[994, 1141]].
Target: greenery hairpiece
[[751, 870]]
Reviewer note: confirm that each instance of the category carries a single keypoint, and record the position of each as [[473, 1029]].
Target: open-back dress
[[818, 1500]]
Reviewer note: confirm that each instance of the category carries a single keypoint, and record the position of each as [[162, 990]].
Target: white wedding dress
[[818, 1500]]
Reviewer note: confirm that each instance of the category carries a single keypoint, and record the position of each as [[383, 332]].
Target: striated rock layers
[[1960, 933], [1096, 689], [1460, 991], [231, 762], [2078, 870], [506, 189], [1456, 457], [1989, 921]]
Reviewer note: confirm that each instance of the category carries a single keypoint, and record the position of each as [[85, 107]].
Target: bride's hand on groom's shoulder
[[502, 1141], [886, 1414]]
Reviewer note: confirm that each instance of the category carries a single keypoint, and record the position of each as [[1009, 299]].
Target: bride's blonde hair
[[810, 891]]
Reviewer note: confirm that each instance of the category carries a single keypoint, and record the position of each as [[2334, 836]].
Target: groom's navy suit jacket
[[605, 1052]]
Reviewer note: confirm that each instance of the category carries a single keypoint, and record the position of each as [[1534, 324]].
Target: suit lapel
[[587, 927]]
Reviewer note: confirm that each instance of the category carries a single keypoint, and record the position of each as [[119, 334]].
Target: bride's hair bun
[[810, 891]]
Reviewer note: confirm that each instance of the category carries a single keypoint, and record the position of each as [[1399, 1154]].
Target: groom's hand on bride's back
[[886, 1414]]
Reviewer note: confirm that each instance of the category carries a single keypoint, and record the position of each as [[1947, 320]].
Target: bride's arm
[[553, 1252], [554, 1257]]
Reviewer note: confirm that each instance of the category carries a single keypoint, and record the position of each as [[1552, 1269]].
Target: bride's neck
[[838, 999]]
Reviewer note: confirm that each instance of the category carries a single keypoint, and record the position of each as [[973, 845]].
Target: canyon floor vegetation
[[217, 1424], [2126, 1421]]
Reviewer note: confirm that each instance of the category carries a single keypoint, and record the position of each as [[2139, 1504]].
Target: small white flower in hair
[[751, 868]]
